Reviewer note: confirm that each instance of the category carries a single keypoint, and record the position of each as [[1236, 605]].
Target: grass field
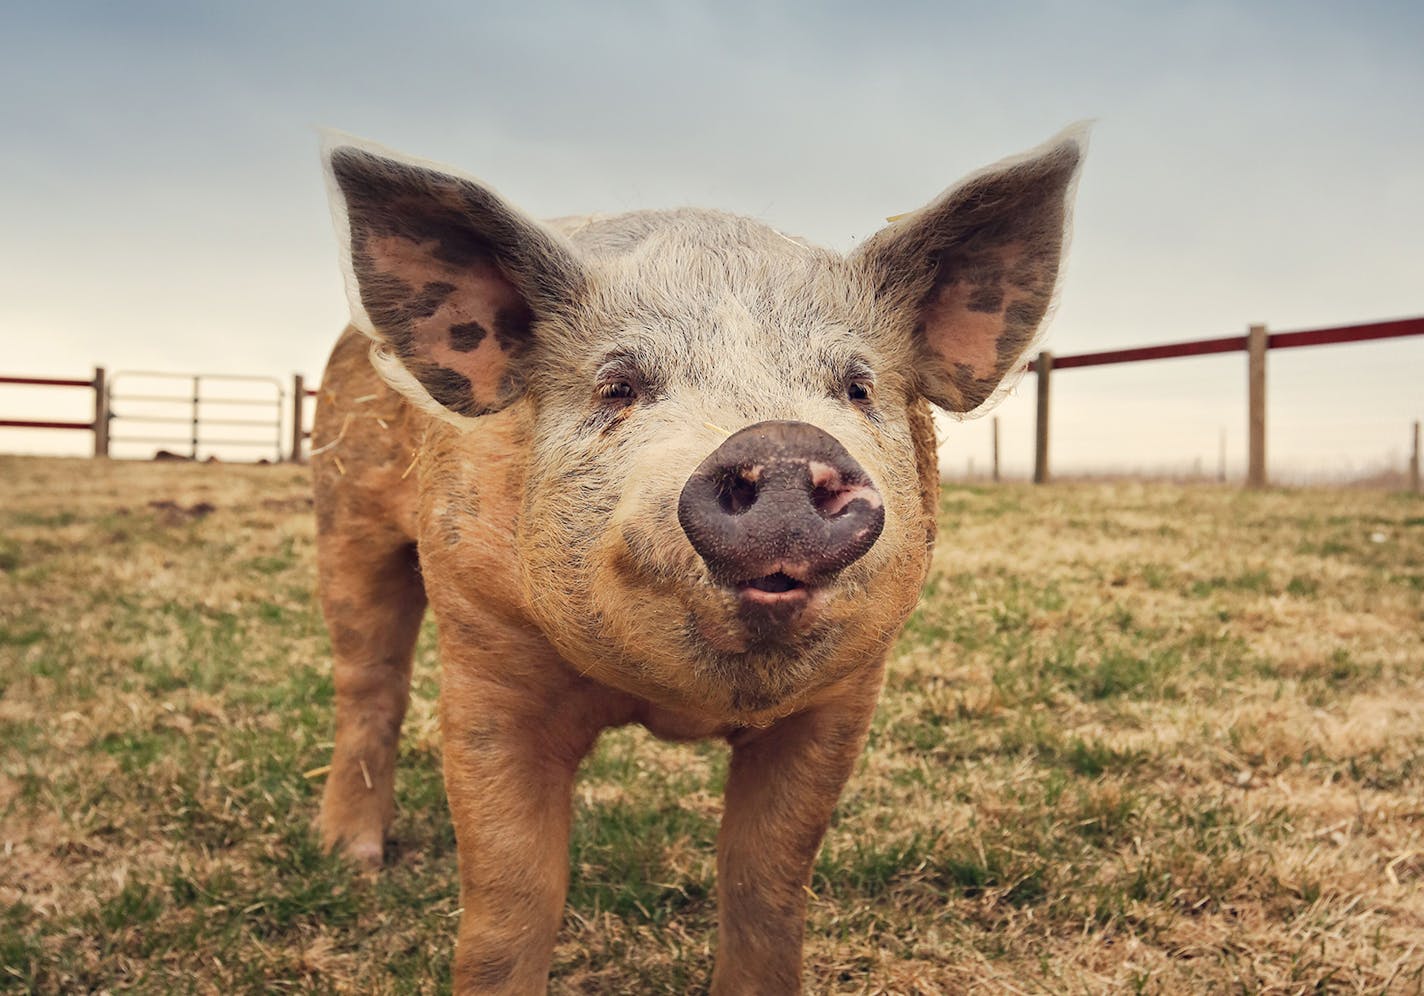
[[1138, 738]]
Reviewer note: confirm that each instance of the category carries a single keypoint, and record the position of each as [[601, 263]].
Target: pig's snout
[[778, 507]]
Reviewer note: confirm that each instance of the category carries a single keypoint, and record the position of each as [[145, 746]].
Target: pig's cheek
[[628, 581], [642, 587]]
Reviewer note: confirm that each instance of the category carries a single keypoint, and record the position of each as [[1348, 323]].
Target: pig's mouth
[[777, 588], [779, 604]]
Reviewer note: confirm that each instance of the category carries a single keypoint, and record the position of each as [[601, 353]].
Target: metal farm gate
[[248, 411]]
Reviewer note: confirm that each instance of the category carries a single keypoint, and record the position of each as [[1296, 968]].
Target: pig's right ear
[[448, 279], [971, 275]]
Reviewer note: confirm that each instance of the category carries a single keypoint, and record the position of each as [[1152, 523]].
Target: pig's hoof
[[366, 850], [365, 853]]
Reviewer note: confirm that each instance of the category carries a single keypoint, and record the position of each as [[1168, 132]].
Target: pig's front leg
[[514, 734], [783, 784]]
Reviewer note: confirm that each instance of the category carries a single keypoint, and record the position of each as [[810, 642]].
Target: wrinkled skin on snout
[[672, 467]]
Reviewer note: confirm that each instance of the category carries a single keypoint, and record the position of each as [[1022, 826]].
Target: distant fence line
[[185, 408], [1255, 343], [98, 425]]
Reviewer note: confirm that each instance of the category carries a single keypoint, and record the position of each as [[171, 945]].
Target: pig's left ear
[[448, 279], [971, 274]]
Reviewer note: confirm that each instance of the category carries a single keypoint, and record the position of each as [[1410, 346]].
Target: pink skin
[[826, 479]]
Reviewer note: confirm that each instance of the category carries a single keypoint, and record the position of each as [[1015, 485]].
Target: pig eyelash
[[618, 390], [620, 382], [858, 387], [861, 395], [614, 397]]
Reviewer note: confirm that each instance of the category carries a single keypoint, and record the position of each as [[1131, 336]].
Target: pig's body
[[671, 468]]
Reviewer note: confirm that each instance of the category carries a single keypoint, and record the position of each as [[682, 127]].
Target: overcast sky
[[161, 204]]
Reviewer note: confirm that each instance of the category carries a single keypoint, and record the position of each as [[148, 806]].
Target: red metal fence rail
[[98, 425], [1255, 343], [1237, 343]]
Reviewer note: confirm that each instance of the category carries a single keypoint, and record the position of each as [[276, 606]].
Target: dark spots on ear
[[448, 387], [383, 285], [977, 267], [1033, 265], [394, 305], [387, 198], [512, 325], [973, 389], [383, 295], [1025, 313], [385, 298], [455, 243], [467, 336], [1021, 320], [428, 300], [432, 216], [986, 299]]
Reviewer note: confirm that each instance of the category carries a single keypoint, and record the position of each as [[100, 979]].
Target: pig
[[669, 467]]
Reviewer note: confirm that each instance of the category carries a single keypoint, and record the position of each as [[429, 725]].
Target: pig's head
[[728, 498]]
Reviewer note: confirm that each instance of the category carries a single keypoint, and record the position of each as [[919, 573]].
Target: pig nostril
[[736, 494], [827, 502]]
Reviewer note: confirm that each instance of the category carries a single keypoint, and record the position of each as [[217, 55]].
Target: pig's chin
[[761, 616], [781, 612], [760, 659], [743, 651]]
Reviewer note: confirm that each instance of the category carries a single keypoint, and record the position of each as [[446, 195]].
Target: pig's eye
[[620, 383], [860, 390], [858, 387], [617, 390]]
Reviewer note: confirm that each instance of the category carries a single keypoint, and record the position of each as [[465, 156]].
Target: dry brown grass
[[1137, 738]]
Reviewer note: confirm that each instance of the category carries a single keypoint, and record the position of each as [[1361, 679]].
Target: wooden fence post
[[1256, 406], [1044, 367], [299, 404], [996, 446], [1414, 461], [101, 413]]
